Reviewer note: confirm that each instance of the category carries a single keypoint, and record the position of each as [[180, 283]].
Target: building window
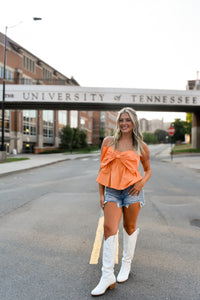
[[62, 118], [47, 75], [74, 119], [29, 122], [6, 120], [82, 124], [48, 128], [26, 81], [28, 64], [9, 74]]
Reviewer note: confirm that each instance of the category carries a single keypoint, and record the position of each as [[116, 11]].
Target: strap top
[[119, 170]]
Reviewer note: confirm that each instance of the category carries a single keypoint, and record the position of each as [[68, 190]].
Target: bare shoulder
[[145, 153], [108, 141]]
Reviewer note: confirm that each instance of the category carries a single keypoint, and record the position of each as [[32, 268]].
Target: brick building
[[35, 130], [103, 125]]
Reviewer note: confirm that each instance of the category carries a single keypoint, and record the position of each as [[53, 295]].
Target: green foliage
[[83, 138], [102, 131], [161, 135], [112, 132], [187, 126], [76, 139], [66, 136], [73, 138], [189, 117], [181, 128], [149, 138]]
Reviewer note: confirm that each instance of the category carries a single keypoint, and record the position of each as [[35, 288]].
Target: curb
[[45, 164]]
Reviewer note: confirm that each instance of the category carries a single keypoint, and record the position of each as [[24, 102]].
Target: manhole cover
[[195, 222]]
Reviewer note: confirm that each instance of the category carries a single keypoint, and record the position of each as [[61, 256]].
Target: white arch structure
[[90, 98]]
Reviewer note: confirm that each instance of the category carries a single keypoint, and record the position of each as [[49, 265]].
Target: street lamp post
[[3, 148]]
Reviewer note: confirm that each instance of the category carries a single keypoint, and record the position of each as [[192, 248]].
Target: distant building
[[152, 125], [193, 85], [144, 125], [36, 130]]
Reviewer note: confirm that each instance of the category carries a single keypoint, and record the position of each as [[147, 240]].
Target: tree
[[179, 130], [189, 117], [66, 136], [83, 138], [76, 138], [188, 124], [161, 135], [112, 132], [149, 138], [102, 132], [73, 138]]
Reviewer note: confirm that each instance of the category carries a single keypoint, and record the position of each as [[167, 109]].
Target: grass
[[12, 159], [184, 148]]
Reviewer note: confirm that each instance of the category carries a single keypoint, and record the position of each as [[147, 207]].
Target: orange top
[[119, 170]]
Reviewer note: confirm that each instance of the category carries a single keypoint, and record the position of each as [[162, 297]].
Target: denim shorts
[[122, 197]]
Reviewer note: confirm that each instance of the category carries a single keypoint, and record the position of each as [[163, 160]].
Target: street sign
[[171, 130]]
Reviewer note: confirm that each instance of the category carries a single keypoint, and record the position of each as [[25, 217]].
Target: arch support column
[[196, 130]]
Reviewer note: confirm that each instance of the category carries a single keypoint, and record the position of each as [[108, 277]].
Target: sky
[[150, 44]]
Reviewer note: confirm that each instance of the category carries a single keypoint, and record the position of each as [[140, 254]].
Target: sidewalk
[[188, 160], [39, 160]]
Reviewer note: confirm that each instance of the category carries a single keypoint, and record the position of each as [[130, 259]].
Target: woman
[[121, 193]]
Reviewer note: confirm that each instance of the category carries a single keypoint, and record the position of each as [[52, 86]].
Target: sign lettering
[[77, 94]]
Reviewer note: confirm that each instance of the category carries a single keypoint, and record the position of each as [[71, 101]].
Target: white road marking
[[98, 242]]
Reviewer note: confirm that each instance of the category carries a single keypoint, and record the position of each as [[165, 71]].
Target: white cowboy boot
[[129, 243], [108, 279]]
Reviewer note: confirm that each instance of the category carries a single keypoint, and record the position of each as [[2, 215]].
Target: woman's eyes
[[127, 120]]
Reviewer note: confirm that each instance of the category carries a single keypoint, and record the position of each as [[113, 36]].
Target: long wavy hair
[[136, 134]]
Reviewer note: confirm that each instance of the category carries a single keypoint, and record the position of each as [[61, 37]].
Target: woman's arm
[[101, 194], [108, 141], [144, 158]]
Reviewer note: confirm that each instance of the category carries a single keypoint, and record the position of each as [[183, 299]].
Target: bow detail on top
[[128, 158]]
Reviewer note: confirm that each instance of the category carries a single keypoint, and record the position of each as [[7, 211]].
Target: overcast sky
[[112, 43]]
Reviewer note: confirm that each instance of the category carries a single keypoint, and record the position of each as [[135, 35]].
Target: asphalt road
[[48, 223]]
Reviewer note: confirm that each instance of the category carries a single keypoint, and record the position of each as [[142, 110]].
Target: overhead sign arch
[[90, 98]]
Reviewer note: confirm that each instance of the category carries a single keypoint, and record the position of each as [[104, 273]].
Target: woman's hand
[[136, 189], [102, 198]]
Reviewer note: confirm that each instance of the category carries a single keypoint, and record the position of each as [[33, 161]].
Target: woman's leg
[[129, 240], [112, 217], [130, 216]]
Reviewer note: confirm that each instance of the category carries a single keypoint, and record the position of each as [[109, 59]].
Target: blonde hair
[[136, 135]]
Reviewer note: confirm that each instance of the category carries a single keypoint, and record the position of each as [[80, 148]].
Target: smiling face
[[125, 123]]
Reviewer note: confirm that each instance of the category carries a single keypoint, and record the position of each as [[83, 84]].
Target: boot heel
[[112, 286]]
